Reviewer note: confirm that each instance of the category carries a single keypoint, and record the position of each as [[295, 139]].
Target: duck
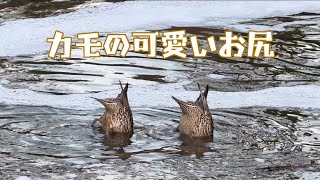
[[196, 119], [117, 117]]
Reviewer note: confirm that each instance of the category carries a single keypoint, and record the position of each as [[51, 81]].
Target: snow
[[140, 15]]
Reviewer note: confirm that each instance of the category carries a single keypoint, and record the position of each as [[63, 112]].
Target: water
[[266, 111], [42, 141]]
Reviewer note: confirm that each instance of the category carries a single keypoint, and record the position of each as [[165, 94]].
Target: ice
[[303, 96], [23, 178], [28, 36], [143, 15], [216, 76]]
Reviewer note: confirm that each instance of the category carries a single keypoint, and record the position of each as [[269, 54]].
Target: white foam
[[28, 36], [305, 96]]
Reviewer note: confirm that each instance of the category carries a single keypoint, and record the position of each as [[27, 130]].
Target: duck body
[[196, 119], [197, 124], [117, 121], [117, 117]]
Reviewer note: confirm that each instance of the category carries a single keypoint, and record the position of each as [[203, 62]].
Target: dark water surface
[[22, 9], [253, 142], [248, 143]]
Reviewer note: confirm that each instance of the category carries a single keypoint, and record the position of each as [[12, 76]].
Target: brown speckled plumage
[[117, 117], [196, 119]]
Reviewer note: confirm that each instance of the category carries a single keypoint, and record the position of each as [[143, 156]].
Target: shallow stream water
[[266, 111]]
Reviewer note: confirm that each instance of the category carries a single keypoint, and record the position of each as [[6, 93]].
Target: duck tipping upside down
[[196, 119], [117, 117]]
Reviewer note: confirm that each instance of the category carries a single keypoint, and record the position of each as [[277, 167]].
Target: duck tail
[[202, 99], [101, 101], [121, 85], [181, 103]]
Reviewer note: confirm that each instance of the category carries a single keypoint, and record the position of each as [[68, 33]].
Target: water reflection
[[117, 140], [194, 145]]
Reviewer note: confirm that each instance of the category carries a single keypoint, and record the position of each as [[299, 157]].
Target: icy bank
[[154, 96], [29, 36]]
